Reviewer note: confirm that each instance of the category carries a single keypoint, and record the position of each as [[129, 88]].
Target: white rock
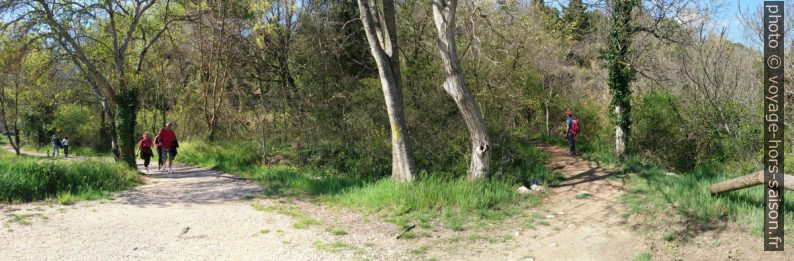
[[553, 244], [523, 190], [583, 193], [536, 187], [671, 174]]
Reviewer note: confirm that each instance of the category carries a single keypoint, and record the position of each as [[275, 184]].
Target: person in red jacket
[[145, 150], [167, 140]]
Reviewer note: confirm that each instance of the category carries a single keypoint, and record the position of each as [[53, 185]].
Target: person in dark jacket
[[56, 145]]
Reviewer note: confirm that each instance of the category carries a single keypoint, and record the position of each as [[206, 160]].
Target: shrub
[[26, 179], [660, 132]]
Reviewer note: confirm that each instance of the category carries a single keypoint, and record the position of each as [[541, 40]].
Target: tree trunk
[[746, 181], [620, 137], [383, 45], [548, 125], [126, 116], [454, 85]]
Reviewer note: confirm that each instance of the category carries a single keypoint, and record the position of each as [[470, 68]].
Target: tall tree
[[455, 86], [620, 71], [381, 32], [576, 20], [111, 26]]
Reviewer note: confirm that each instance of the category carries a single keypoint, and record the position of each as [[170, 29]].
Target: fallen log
[[756, 178]]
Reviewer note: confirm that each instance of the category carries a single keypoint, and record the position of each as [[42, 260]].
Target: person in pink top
[[145, 150], [167, 140]]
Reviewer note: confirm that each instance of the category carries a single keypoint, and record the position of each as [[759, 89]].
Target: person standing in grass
[[167, 138], [571, 130], [56, 145], [159, 152], [65, 145], [145, 150]]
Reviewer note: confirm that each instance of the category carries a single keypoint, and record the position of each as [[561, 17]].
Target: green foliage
[[516, 161], [402, 202], [126, 120], [621, 73], [576, 19], [36, 121], [666, 135], [233, 157], [33, 179], [353, 161], [80, 125], [448, 199], [653, 192], [662, 134]]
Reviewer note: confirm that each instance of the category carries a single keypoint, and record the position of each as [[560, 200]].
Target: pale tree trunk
[[620, 137], [381, 34], [454, 85], [546, 108]]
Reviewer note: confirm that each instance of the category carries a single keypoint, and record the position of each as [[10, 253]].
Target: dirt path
[[192, 214], [564, 227], [599, 227]]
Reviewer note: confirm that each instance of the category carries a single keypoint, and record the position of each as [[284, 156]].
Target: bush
[[27, 179], [661, 134], [683, 136], [232, 157], [348, 160]]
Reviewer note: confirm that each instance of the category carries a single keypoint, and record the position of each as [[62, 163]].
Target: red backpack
[[574, 126]]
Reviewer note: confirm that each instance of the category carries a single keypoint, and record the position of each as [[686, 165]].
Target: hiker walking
[[65, 145], [56, 145], [159, 146], [145, 149], [571, 130], [167, 142]]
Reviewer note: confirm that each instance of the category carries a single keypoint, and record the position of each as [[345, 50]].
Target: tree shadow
[[188, 185]]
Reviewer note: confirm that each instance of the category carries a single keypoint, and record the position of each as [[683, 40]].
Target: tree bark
[[548, 124], [454, 85], [382, 37], [620, 137], [754, 179]]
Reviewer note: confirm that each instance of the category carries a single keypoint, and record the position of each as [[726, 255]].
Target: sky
[[730, 17]]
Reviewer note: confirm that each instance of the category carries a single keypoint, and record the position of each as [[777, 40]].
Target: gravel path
[[193, 214]]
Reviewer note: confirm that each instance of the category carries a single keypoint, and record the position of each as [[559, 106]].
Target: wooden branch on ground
[[756, 178], [412, 226]]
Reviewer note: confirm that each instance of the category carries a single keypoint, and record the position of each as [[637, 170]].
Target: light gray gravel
[[193, 214]]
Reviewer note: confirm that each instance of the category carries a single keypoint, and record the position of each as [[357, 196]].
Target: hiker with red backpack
[[571, 130]]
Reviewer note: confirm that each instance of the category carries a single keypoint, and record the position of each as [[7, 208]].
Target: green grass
[[304, 220], [653, 195], [73, 151], [453, 200], [24, 219], [337, 247], [30, 178], [458, 202], [644, 256], [336, 231]]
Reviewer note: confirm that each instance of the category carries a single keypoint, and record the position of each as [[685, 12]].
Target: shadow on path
[[187, 185]]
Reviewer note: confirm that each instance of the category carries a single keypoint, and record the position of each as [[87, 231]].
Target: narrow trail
[[591, 227]]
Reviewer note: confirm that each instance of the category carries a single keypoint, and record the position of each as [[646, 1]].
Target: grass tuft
[[29, 178]]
